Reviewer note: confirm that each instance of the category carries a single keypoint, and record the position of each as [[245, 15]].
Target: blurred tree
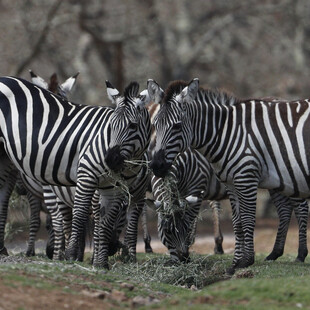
[[252, 48]]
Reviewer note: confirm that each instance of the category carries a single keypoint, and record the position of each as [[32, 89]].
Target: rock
[[129, 286], [203, 299], [118, 295], [95, 294], [193, 288], [143, 301], [244, 274]]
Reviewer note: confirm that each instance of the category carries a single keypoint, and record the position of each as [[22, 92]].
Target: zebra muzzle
[[114, 159], [159, 165]]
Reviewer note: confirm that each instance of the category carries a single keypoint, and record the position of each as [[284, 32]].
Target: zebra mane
[[212, 95], [53, 84], [218, 96], [174, 88], [132, 90]]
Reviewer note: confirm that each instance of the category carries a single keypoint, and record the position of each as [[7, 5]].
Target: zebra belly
[[65, 194], [29, 167], [293, 185]]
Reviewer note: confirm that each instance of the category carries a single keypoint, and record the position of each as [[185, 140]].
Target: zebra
[[60, 199], [249, 144], [193, 177], [178, 198], [190, 180], [180, 244], [34, 190], [65, 195], [73, 144]]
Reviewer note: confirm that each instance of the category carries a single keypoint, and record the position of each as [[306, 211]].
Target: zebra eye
[[133, 126], [177, 126]]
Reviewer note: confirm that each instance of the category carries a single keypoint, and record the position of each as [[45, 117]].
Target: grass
[[283, 284], [202, 270], [18, 216]]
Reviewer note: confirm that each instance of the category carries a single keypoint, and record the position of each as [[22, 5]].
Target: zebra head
[[172, 123], [177, 230], [130, 125], [62, 90]]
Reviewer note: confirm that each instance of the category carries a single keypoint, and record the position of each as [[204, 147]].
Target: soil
[[15, 295], [265, 235]]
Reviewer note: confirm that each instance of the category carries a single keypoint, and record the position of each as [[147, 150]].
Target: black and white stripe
[[60, 143], [190, 180], [249, 144], [178, 197]]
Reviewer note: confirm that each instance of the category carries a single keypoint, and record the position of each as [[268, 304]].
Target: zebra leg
[[66, 213], [96, 215], [218, 237], [237, 226], [35, 222], [8, 177], [284, 210], [111, 223], [301, 212], [85, 190], [131, 233], [57, 222], [146, 235], [51, 237], [246, 190]]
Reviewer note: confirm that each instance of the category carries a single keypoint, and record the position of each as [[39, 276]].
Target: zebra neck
[[209, 122]]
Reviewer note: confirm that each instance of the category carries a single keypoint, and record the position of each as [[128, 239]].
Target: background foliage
[[251, 48]]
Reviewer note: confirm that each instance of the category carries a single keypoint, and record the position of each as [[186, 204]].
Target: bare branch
[[42, 37], [218, 25]]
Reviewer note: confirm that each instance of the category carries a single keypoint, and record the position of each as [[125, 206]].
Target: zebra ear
[[53, 84], [143, 99], [37, 80], [113, 93], [155, 92], [67, 86], [189, 93], [191, 199]]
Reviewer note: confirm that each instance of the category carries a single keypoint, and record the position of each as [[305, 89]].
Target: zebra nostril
[[159, 164], [184, 257], [114, 159]]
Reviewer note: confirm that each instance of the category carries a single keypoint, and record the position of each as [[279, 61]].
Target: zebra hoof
[[273, 256], [172, 262], [218, 250], [245, 262], [302, 254], [80, 257], [71, 254], [4, 251], [300, 259], [128, 259], [102, 266], [59, 257], [230, 271], [30, 253], [49, 251], [148, 250]]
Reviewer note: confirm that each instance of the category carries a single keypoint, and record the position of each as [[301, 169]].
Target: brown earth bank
[[265, 235], [17, 295]]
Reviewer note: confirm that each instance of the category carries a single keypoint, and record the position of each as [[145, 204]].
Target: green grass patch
[[202, 270], [283, 284]]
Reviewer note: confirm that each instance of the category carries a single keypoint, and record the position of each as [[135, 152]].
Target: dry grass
[[199, 272]]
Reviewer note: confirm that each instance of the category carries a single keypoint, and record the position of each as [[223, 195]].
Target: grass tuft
[[199, 272]]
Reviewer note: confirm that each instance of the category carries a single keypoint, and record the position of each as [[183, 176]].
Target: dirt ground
[[265, 235], [14, 295]]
